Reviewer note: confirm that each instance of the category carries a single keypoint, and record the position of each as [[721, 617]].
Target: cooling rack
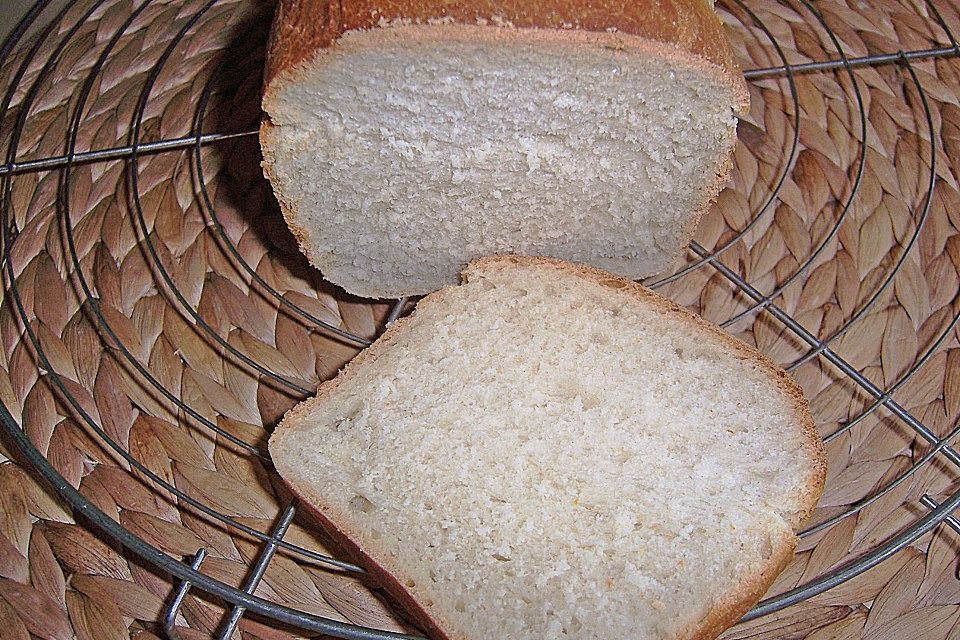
[[157, 320]]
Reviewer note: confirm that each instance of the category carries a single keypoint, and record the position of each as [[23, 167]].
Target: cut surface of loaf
[[404, 145], [549, 451]]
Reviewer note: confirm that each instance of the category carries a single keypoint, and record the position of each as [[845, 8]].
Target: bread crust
[[301, 28], [732, 605]]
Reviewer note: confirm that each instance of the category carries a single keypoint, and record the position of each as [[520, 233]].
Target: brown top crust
[[303, 27]]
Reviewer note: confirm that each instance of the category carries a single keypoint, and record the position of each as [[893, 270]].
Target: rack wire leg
[[170, 616]]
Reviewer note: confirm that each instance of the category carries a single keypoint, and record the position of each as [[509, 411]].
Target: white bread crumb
[[541, 455]]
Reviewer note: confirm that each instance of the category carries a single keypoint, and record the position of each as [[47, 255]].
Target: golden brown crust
[[736, 603], [302, 28], [730, 607]]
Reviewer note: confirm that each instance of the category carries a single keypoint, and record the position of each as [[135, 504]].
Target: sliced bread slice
[[405, 138], [550, 451]]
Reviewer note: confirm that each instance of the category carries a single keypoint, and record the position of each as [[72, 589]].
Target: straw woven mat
[[878, 279]]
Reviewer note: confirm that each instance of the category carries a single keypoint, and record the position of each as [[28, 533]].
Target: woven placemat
[[829, 215]]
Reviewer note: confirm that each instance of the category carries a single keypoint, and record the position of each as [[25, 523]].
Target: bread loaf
[[404, 138], [550, 451]]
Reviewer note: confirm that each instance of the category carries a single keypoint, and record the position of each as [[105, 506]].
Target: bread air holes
[[599, 337], [573, 388], [361, 504], [695, 353], [615, 283], [590, 400], [767, 548], [349, 421]]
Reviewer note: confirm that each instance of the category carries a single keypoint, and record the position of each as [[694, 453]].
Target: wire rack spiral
[[157, 320]]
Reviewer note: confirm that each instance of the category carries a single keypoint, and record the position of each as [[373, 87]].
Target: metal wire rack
[[61, 36]]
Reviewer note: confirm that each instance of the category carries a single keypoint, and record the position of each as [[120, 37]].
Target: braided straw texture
[[181, 257]]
